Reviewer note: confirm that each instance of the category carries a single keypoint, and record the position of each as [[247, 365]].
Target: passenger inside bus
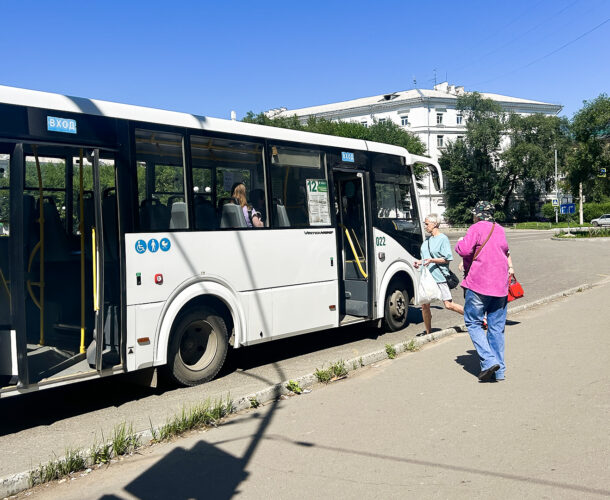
[[252, 216]]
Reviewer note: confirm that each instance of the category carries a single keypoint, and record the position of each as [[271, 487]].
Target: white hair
[[434, 218]]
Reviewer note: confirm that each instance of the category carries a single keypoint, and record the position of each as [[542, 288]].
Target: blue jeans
[[490, 344]]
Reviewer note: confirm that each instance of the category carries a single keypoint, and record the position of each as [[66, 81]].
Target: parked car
[[602, 220]]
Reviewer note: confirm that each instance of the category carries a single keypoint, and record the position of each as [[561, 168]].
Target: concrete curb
[[601, 238], [15, 483]]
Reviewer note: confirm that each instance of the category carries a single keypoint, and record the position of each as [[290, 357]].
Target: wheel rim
[[397, 305], [198, 345]]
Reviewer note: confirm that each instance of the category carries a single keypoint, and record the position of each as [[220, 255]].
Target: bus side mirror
[[436, 178]]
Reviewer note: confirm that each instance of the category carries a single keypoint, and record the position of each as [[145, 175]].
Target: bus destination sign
[[64, 125]]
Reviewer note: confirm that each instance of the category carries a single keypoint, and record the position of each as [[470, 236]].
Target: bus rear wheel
[[198, 346], [396, 306]]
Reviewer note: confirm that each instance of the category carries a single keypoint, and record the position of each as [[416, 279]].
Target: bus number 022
[[380, 241]]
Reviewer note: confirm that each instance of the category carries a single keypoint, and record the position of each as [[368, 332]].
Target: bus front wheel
[[396, 306], [198, 346]]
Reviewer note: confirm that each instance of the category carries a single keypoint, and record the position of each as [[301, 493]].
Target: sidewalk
[[419, 426]]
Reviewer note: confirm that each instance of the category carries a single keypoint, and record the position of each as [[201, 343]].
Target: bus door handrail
[[351, 244]]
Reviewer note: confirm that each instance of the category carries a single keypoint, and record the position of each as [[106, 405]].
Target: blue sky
[[209, 58]]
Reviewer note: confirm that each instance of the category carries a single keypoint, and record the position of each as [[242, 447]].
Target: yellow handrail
[[349, 239], [81, 228]]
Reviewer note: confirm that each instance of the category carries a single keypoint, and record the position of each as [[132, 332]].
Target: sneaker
[[486, 375]]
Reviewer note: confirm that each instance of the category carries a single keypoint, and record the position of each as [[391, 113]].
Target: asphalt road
[[419, 426], [38, 427]]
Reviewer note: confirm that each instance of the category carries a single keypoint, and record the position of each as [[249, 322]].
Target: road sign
[[566, 200], [555, 202], [568, 208]]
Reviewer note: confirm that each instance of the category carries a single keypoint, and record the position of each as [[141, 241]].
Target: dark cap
[[484, 210]]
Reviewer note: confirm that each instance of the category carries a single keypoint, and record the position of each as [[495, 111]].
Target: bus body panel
[[252, 259], [253, 283], [396, 259]]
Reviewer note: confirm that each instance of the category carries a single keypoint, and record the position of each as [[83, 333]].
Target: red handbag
[[515, 290]]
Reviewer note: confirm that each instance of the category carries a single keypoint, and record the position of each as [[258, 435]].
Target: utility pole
[[556, 190], [581, 203]]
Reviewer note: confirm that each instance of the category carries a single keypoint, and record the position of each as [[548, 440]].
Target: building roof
[[442, 91]]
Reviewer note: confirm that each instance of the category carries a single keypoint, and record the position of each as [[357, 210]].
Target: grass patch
[[546, 225], [333, 372], [124, 440], [197, 417], [74, 461], [390, 350], [338, 369], [254, 403], [293, 386], [324, 376], [591, 233], [411, 346]]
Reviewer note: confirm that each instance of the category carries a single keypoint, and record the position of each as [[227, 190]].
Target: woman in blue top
[[436, 252]]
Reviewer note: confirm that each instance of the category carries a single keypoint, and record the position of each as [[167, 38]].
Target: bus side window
[[217, 165], [298, 174], [160, 173]]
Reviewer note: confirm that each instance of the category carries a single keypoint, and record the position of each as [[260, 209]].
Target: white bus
[[122, 248]]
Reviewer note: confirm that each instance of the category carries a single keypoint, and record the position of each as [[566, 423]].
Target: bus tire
[[396, 306], [198, 346]]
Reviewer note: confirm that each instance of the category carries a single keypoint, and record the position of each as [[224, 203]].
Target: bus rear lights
[[332, 307], [144, 341], [158, 279]]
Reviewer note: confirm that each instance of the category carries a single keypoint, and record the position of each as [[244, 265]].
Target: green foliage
[[387, 132], [590, 211], [591, 233], [124, 440], [529, 161], [411, 346], [293, 386], [197, 417], [591, 149], [390, 350], [73, 461], [338, 369], [323, 375], [468, 165]]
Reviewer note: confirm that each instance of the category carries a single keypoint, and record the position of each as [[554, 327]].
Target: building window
[[382, 120], [404, 120], [439, 118], [365, 123], [439, 141], [459, 119], [460, 137]]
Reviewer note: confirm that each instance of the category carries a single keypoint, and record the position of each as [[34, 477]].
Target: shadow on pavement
[[469, 362], [86, 397]]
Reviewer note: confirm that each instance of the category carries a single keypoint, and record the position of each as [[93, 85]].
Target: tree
[[387, 132], [529, 161], [468, 165], [590, 129]]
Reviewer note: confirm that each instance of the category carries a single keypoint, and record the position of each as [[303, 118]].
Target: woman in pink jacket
[[488, 269]]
